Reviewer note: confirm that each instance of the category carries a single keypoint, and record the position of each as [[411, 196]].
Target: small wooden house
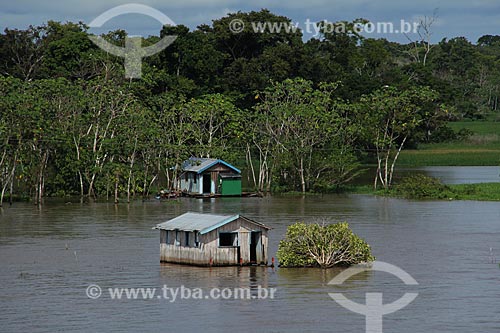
[[218, 240], [208, 176]]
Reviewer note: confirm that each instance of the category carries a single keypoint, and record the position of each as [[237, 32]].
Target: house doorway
[[255, 245], [207, 183]]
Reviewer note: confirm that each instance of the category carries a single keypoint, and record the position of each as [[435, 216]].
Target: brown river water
[[49, 257]]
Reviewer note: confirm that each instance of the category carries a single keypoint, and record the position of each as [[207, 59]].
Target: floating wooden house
[[209, 177], [218, 240]]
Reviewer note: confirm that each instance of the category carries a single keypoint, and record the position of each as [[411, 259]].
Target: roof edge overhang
[[216, 162], [257, 223], [220, 224]]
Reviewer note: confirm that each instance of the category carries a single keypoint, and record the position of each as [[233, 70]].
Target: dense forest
[[295, 114]]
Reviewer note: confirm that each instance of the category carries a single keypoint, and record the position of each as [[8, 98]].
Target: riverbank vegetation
[[323, 244], [421, 187], [472, 143], [295, 115]]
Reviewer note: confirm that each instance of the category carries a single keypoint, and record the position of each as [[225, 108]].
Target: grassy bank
[[481, 149], [480, 192], [477, 192]]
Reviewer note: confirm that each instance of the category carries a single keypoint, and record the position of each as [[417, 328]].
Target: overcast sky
[[469, 18]]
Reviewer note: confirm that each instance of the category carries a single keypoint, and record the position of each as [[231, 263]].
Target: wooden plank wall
[[244, 241], [198, 256]]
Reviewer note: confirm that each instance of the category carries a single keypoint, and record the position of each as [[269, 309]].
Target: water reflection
[[307, 276], [215, 277], [445, 246], [447, 174]]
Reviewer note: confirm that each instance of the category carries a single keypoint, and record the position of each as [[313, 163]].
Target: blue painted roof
[[203, 223], [199, 165]]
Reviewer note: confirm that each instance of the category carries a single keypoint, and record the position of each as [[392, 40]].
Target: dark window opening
[[186, 177], [186, 243], [228, 239]]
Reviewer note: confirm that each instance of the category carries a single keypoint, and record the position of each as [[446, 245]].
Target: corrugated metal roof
[[203, 223], [199, 165], [197, 222]]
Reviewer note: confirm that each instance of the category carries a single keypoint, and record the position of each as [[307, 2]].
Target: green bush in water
[[422, 187], [322, 245]]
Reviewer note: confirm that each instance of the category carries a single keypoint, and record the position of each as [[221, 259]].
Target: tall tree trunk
[[269, 176], [91, 186], [128, 185], [117, 179], [131, 167], [250, 163], [145, 183], [107, 189], [3, 193], [395, 159], [301, 171], [11, 189], [40, 182], [80, 177], [9, 181]]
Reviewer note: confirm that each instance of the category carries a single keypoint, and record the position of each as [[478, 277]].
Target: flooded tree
[[391, 116], [322, 244]]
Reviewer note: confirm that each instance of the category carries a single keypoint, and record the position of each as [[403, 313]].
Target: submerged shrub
[[422, 187], [322, 245]]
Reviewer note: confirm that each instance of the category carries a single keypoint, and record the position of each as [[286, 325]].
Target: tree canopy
[[295, 114]]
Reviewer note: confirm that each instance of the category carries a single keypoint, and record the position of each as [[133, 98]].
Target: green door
[[230, 186]]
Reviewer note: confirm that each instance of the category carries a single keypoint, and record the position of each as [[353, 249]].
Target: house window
[[197, 239], [186, 177], [177, 242], [195, 178], [166, 236], [186, 235], [228, 239]]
